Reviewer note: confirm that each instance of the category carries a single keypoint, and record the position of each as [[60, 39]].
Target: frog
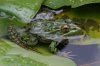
[[55, 33]]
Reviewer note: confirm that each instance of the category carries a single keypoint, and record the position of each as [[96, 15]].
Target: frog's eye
[[65, 28]]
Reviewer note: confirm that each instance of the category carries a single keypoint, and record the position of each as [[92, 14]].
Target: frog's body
[[55, 33]]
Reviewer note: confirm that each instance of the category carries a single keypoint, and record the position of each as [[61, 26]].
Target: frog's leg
[[29, 42], [53, 46], [29, 39]]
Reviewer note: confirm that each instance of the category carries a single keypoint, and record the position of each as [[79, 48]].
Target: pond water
[[84, 54]]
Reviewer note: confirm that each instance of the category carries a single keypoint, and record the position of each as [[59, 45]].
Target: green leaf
[[17, 60], [13, 55], [23, 10], [73, 3], [4, 24]]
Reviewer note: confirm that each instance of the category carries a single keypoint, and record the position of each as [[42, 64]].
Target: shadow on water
[[4, 37]]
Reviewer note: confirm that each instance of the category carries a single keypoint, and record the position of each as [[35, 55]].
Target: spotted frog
[[55, 33]]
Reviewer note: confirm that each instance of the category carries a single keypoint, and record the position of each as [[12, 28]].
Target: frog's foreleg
[[53, 46]]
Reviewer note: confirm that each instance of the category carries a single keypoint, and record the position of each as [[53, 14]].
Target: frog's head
[[56, 27]]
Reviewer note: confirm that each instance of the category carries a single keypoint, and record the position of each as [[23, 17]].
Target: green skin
[[54, 33]]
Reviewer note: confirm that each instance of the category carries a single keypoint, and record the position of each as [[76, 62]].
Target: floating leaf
[[24, 10], [4, 24], [13, 55], [74, 3], [17, 60]]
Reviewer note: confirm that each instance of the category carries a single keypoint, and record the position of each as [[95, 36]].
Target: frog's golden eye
[[65, 28]]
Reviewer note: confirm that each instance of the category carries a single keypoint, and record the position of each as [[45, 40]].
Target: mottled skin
[[54, 33]]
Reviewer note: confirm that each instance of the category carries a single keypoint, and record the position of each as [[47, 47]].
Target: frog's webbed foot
[[57, 46], [67, 54]]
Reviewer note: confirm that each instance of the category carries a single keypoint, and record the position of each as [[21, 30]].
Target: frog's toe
[[52, 47]]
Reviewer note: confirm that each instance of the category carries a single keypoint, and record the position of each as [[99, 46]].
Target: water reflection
[[83, 54]]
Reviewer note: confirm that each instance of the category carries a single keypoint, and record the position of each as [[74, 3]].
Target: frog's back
[[51, 30]]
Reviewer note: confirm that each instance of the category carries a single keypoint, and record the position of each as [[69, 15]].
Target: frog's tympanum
[[54, 33]]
